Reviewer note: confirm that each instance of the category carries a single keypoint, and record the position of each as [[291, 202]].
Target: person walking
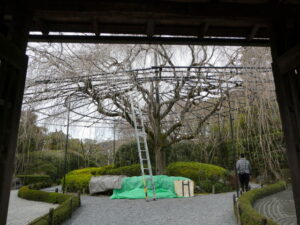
[[243, 168]]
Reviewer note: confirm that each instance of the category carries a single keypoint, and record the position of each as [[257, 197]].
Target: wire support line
[[84, 126], [152, 70], [109, 91]]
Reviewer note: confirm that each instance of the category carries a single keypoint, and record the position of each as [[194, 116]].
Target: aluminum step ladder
[[143, 151]]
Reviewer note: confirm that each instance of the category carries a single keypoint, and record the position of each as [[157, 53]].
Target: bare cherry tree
[[98, 83]]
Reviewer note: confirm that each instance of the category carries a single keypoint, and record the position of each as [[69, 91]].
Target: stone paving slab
[[204, 209], [279, 207], [21, 211]]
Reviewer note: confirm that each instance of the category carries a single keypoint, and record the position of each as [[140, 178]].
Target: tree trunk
[[160, 161]]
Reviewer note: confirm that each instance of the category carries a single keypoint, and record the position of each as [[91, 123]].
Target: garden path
[[280, 207], [21, 211], [203, 209]]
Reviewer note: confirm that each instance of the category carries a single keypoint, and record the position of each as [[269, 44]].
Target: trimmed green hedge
[[78, 180], [205, 175], [133, 170], [67, 204], [248, 215], [32, 179], [38, 186]]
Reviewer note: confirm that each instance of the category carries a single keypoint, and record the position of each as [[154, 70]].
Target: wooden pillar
[[13, 65], [285, 48]]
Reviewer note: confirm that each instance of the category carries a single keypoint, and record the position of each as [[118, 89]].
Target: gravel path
[[280, 207], [21, 211], [204, 210]]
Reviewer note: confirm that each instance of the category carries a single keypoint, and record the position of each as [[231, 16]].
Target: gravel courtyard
[[204, 210], [21, 211], [280, 207]]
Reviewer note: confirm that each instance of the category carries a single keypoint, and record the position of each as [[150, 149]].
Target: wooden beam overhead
[[161, 17], [96, 26], [150, 28], [185, 8], [148, 40], [157, 29], [253, 32], [42, 26], [203, 30]]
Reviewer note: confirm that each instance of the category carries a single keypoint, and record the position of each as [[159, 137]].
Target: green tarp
[[133, 188]]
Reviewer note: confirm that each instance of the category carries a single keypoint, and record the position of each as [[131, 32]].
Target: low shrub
[[207, 186], [103, 170], [67, 204], [32, 179], [38, 186], [205, 175], [89, 170], [35, 195], [78, 180], [248, 215], [133, 170]]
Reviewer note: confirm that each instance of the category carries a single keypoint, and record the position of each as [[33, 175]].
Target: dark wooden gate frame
[[13, 42], [285, 48]]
